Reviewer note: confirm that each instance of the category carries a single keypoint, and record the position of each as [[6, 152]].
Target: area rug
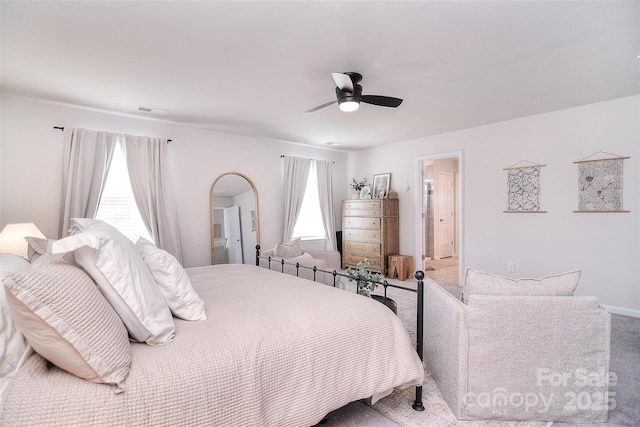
[[397, 408]]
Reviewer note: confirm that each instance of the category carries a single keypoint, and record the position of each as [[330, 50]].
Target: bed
[[274, 350]]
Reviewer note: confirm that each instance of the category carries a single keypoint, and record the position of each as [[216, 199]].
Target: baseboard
[[621, 310]]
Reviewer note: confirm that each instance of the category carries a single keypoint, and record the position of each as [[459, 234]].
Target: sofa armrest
[[540, 348], [445, 343], [332, 258], [267, 253], [265, 262]]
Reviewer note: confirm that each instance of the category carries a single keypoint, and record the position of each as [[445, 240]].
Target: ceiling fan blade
[[343, 81], [311, 110], [384, 101]]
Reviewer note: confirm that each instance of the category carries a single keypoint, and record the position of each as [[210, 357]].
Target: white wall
[[30, 167], [606, 247]]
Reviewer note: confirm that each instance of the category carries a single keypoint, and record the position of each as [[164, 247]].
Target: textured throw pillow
[[67, 321], [12, 343], [173, 281], [36, 246], [122, 276], [289, 250], [481, 283], [38, 252]]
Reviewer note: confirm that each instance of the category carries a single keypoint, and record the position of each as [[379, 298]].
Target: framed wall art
[[381, 183], [523, 188], [600, 184]]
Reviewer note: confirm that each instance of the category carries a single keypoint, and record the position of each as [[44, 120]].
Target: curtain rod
[[282, 156], [62, 129]]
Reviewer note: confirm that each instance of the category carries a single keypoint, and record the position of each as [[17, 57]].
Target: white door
[[232, 233], [444, 218]]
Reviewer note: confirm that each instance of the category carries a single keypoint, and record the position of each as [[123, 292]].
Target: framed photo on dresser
[[365, 192], [381, 184]]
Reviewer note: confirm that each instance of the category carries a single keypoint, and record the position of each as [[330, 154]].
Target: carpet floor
[[395, 410]]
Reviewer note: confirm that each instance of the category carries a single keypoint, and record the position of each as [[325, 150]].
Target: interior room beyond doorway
[[440, 179]]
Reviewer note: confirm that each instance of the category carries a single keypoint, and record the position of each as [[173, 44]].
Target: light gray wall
[[30, 168], [606, 247]]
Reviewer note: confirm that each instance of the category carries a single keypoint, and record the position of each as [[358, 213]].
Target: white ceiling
[[253, 68]]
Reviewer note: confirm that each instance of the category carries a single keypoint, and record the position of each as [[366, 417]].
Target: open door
[[232, 232], [444, 238]]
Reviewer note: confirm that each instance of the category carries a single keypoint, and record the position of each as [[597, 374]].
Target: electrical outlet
[[511, 267]]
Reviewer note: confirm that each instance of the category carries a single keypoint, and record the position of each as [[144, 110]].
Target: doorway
[[439, 213], [233, 234]]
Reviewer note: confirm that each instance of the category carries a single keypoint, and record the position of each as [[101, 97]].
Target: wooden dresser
[[369, 230]]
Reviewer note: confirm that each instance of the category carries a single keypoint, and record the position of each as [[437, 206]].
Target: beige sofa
[[518, 357], [324, 260]]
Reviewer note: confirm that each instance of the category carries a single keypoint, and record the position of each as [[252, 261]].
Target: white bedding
[[275, 350]]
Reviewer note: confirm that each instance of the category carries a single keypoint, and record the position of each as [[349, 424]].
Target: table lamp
[[12, 238]]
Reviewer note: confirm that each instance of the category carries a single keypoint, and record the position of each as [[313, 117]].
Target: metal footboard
[[419, 275]]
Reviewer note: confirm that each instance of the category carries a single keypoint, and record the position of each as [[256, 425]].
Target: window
[[117, 206], [309, 225]]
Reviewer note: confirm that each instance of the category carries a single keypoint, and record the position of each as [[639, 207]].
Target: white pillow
[[12, 263], [173, 281], [12, 342], [68, 322], [122, 276], [289, 250], [481, 283]]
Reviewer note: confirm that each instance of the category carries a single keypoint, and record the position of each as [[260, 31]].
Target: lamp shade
[[12, 238]]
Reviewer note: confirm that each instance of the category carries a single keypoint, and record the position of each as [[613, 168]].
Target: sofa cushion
[[481, 283], [289, 250]]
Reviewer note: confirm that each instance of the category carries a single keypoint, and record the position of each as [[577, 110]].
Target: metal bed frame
[[419, 275]]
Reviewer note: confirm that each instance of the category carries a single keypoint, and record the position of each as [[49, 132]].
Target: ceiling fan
[[349, 94]]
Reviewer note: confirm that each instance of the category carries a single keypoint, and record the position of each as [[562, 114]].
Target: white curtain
[[325, 193], [152, 186], [296, 173], [86, 159]]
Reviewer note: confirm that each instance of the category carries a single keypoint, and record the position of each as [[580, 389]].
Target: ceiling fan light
[[349, 106]]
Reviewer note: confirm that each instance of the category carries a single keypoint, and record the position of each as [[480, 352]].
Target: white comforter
[[275, 350]]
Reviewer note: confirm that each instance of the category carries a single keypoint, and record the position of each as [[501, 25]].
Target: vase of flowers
[[358, 185], [364, 278]]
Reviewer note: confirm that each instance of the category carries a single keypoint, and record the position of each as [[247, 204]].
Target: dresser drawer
[[366, 205], [362, 208], [353, 259], [363, 235], [359, 222], [362, 247]]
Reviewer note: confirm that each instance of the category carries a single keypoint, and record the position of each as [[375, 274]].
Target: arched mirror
[[235, 223]]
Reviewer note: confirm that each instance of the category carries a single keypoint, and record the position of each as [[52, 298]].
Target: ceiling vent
[[155, 111]]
